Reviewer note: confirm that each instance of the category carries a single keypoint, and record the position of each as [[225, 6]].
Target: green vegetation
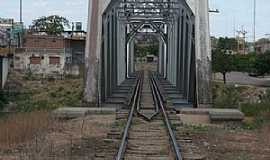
[[52, 25], [146, 45], [142, 51], [255, 64], [260, 112], [238, 156], [3, 100], [225, 96], [198, 128], [244, 63], [227, 44], [120, 123], [254, 122], [253, 110], [47, 96], [222, 63], [229, 96], [262, 63]]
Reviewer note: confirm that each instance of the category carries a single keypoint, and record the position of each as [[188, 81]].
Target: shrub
[[266, 97], [259, 111], [225, 96], [257, 122], [256, 109], [28, 75]]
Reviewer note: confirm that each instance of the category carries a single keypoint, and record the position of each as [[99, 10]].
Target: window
[[54, 60], [68, 60], [35, 60]]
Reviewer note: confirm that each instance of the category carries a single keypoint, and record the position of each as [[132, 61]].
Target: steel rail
[[154, 96], [124, 140], [167, 122]]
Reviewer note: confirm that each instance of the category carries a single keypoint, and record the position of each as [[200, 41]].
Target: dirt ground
[[78, 139], [228, 144], [73, 139]]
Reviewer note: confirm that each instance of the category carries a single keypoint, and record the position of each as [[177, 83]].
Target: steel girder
[[164, 16]]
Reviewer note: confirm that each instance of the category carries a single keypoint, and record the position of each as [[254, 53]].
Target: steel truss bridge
[[110, 60]]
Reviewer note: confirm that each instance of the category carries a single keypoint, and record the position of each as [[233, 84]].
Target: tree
[[227, 44], [262, 63], [244, 63], [222, 63], [52, 25]]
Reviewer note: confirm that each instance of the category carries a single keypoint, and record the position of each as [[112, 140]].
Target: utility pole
[[242, 32], [234, 29], [254, 24], [21, 11]]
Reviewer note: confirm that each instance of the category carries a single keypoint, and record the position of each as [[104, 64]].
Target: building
[[11, 31], [262, 45], [50, 55], [42, 55], [75, 42], [4, 68], [3, 38]]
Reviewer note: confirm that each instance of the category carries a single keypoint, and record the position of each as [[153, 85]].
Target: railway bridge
[[184, 58]]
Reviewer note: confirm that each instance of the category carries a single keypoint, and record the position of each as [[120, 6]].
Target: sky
[[238, 14], [234, 14], [73, 10]]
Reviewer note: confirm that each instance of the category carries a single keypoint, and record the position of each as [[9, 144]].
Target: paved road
[[245, 79]]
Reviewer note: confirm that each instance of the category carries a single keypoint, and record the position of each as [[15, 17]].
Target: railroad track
[[146, 136], [149, 129]]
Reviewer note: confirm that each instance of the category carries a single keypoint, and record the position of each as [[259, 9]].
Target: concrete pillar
[[203, 51], [131, 56], [174, 60], [90, 81], [92, 51], [160, 58], [121, 53]]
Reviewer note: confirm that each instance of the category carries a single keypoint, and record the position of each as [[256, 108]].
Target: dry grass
[[37, 136], [22, 127]]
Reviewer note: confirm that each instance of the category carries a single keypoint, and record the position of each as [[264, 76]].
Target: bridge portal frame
[[199, 44]]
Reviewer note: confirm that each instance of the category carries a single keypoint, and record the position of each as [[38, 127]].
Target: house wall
[[262, 48], [38, 41], [22, 61], [42, 48], [77, 49], [3, 38]]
